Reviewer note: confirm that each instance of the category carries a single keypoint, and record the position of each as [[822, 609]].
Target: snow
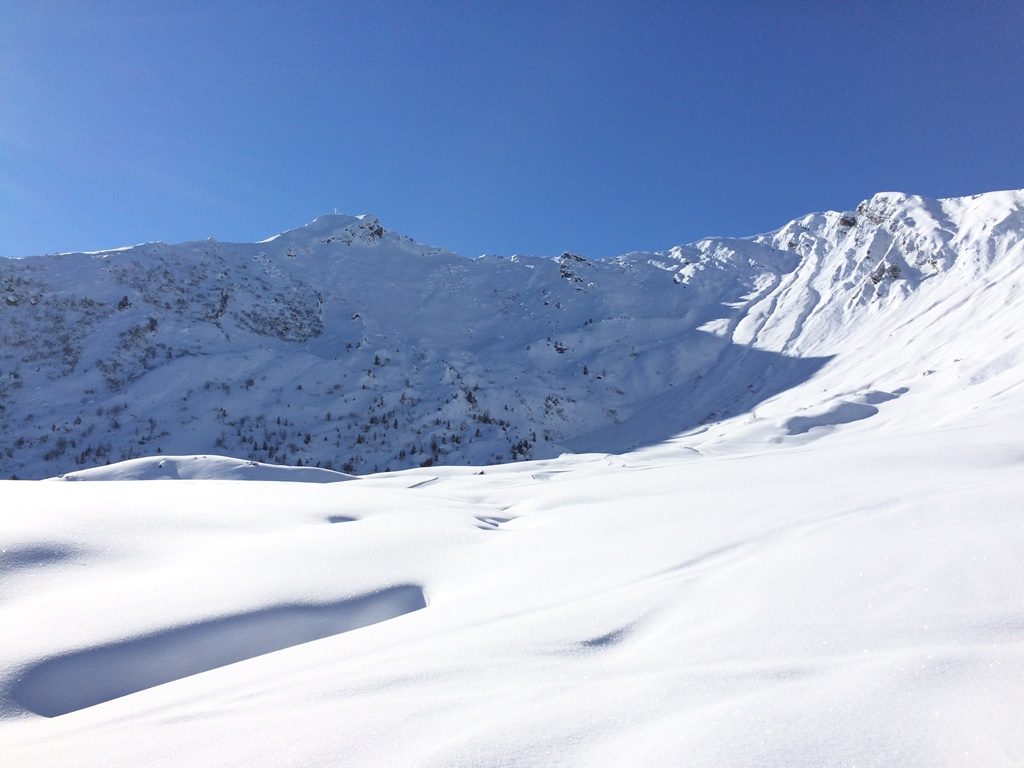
[[799, 543], [346, 346], [204, 468], [854, 599]]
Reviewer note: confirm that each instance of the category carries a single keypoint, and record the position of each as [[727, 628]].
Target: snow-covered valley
[[772, 513]]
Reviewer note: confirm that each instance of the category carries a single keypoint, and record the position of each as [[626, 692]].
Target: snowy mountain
[[349, 347], [796, 540]]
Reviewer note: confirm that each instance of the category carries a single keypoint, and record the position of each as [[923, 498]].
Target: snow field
[[845, 601]]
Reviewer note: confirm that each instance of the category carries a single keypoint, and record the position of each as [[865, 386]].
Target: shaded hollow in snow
[[92, 676]]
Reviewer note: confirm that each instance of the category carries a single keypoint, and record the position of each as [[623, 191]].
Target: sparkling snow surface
[[831, 577]]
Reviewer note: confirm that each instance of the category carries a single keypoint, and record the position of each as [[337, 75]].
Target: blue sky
[[597, 127]]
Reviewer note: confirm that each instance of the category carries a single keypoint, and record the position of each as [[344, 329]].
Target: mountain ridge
[[344, 345]]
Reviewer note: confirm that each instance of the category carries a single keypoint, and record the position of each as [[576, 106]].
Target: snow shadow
[[334, 519], [607, 640], [34, 556], [492, 522], [738, 381], [844, 413], [82, 679]]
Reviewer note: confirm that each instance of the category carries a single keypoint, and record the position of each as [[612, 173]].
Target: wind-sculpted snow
[[345, 346], [92, 676], [204, 468], [730, 600]]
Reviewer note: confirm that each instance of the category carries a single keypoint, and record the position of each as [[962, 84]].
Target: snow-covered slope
[[811, 554], [852, 601], [342, 345]]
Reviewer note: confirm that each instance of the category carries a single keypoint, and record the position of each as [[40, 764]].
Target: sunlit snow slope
[[796, 540], [342, 345]]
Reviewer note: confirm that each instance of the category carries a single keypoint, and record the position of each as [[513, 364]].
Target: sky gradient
[[523, 127]]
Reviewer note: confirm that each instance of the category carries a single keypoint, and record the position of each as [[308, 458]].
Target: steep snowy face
[[894, 242], [899, 281], [344, 345]]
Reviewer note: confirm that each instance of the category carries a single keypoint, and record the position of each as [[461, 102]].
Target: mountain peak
[[334, 226]]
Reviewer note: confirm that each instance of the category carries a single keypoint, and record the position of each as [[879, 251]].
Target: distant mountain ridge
[[343, 345]]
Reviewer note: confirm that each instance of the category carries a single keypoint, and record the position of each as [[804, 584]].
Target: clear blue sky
[[498, 127]]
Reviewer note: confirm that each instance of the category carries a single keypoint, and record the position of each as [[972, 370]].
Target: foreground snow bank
[[204, 468]]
